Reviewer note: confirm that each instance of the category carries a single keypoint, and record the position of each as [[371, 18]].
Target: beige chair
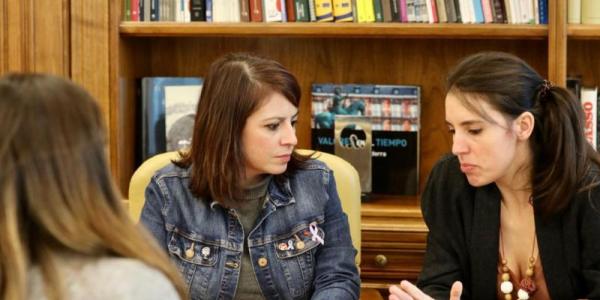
[[346, 177]]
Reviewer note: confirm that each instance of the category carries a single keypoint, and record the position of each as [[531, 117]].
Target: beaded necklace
[[526, 286]]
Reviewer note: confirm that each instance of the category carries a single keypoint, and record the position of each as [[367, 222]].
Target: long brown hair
[[562, 158], [56, 191], [235, 87]]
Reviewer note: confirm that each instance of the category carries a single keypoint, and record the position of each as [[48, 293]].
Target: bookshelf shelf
[[579, 31], [334, 30]]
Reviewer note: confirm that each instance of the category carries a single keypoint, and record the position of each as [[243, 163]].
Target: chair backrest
[[346, 177]]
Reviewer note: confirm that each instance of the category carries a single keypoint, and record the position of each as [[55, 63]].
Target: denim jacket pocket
[[296, 254], [196, 260]]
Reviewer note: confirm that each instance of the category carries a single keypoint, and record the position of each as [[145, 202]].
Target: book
[[378, 10], [244, 10], [272, 11], [342, 10], [256, 10], [366, 13], [574, 11], [589, 102], [394, 114], [198, 10], [386, 10], [302, 13], [324, 10], [590, 12], [153, 112], [543, 11]]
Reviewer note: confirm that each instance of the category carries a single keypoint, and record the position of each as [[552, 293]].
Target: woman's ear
[[523, 125]]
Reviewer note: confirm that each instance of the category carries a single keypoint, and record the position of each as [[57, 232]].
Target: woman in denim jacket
[[241, 214]]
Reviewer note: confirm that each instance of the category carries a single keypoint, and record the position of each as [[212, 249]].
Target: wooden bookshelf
[[583, 32], [334, 30]]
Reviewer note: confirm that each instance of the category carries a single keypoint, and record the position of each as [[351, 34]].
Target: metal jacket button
[[263, 262]]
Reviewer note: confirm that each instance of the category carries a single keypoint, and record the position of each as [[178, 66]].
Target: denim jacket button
[[262, 262], [232, 264], [299, 245]]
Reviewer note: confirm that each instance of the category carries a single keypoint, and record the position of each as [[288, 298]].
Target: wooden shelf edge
[[374, 30], [583, 31]]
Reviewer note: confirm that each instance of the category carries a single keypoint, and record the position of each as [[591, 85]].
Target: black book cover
[[198, 10], [395, 120]]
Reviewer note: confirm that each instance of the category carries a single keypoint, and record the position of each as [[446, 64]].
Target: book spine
[[283, 11], [574, 11], [198, 10], [589, 99], [478, 11], [487, 11], [302, 14], [244, 11], [256, 10], [312, 10], [135, 10], [126, 10], [543, 7], [208, 8], [441, 11], [290, 10], [403, 11], [590, 12], [386, 9], [378, 10], [342, 10], [450, 11], [323, 10]]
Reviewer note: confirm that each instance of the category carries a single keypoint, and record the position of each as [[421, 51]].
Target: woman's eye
[[273, 126], [451, 131], [294, 122], [475, 131]]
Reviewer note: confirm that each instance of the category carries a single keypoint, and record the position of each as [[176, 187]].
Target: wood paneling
[[93, 59], [34, 37]]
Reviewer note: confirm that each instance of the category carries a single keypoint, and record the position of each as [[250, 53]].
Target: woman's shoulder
[[128, 279], [108, 278], [171, 170]]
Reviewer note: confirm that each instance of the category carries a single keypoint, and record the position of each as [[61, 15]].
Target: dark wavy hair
[[562, 157]]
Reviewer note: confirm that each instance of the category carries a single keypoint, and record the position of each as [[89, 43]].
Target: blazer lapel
[[484, 242], [550, 243]]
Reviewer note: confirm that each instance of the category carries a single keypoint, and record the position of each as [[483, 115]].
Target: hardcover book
[[153, 138], [394, 115]]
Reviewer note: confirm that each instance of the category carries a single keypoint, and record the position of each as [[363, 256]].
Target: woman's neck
[[515, 185]]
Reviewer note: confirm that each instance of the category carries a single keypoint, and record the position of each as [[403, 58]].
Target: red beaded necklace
[[526, 286]]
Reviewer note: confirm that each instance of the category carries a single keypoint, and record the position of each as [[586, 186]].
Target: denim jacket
[[205, 240]]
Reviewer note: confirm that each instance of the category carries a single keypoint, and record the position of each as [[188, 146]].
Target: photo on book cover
[[153, 113], [394, 114]]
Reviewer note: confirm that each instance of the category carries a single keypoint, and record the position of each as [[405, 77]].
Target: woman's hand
[[408, 291]]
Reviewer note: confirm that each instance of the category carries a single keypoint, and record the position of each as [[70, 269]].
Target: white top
[[105, 278]]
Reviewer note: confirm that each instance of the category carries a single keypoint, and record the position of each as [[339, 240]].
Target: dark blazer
[[462, 244]]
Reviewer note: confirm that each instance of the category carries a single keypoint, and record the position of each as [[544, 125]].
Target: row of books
[[588, 96], [583, 11], [362, 11]]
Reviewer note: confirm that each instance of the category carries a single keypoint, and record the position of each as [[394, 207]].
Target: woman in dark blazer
[[514, 213]]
